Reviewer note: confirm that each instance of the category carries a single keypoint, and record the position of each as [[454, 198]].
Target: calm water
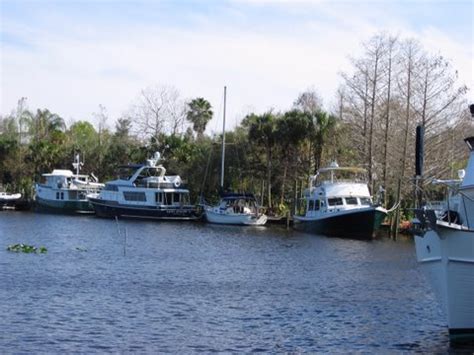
[[183, 287]]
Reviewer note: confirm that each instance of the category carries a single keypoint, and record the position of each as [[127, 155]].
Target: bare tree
[[309, 101], [436, 106], [158, 110]]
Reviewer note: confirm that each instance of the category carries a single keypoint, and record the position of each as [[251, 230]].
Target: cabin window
[[62, 195], [159, 198], [175, 198], [311, 205], [57, 195], [134, 196], [168, 198], [351, 200], [335, 201], [110, 187], [316, 205], [365, 201]]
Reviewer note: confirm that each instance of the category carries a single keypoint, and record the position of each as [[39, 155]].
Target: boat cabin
[[66, 179], [238, 203], [335, 189], [146, 184]]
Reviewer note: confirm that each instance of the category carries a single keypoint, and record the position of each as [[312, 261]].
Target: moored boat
[[338, 203], [65, 191], [145, 191], [9, 200], [236, 209], [444, 240]]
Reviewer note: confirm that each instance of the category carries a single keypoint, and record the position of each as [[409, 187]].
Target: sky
[[70, 56]]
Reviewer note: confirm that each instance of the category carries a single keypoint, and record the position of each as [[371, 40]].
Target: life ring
[[177, 183]]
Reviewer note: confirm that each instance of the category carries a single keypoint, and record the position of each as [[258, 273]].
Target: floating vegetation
[[25, 248]]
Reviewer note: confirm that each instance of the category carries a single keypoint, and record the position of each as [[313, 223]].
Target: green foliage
[[199, 114], [27, 249]]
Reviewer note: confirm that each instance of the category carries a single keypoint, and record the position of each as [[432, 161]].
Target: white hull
[[6, 197], [447, 258], [246, 219]]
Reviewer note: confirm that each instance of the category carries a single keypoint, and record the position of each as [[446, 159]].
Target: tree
[[158, 110], [199, 114], [84, 140], [323, 123], [292, 130], [44, 124], [47, 141], [261, 131], [309, 101]]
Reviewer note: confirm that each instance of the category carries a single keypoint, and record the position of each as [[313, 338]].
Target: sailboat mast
[[223, 141]]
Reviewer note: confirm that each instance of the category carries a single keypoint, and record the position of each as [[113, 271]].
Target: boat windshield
[[238, 201], [341, 175], [126, 172]]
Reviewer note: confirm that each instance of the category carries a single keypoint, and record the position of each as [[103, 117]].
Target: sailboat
[[234, 208]]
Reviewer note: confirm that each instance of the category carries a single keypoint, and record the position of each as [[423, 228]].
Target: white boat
[[65, 191], [338, 203], [145, 191], [445, 250], [8, 197], [238, 209], [8, 200], [234, 208]]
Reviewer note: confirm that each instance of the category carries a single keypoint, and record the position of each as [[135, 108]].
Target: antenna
[[77, 163]]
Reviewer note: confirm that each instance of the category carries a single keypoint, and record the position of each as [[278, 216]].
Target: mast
[[223, 141]]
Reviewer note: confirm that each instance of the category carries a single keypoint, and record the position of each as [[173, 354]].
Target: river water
[[140, 286]]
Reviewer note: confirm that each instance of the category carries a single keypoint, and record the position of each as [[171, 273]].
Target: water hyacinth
[[24, 248]]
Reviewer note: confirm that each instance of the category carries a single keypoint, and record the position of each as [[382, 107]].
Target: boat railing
[[339, 181]]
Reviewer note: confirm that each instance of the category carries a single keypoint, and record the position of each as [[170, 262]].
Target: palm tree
[[262, 131], [199, 114], [323, 124], [44, 123], [292, 130]]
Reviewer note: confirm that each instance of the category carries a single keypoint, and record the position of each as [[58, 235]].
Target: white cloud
[[74, 71]]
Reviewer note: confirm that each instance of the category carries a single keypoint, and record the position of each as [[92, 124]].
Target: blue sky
[[71, 56]]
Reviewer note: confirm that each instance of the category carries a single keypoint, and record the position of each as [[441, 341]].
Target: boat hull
[[447, 258], [353, 224], [235, 219], [65, 206], [19, 203], [110, 209]]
